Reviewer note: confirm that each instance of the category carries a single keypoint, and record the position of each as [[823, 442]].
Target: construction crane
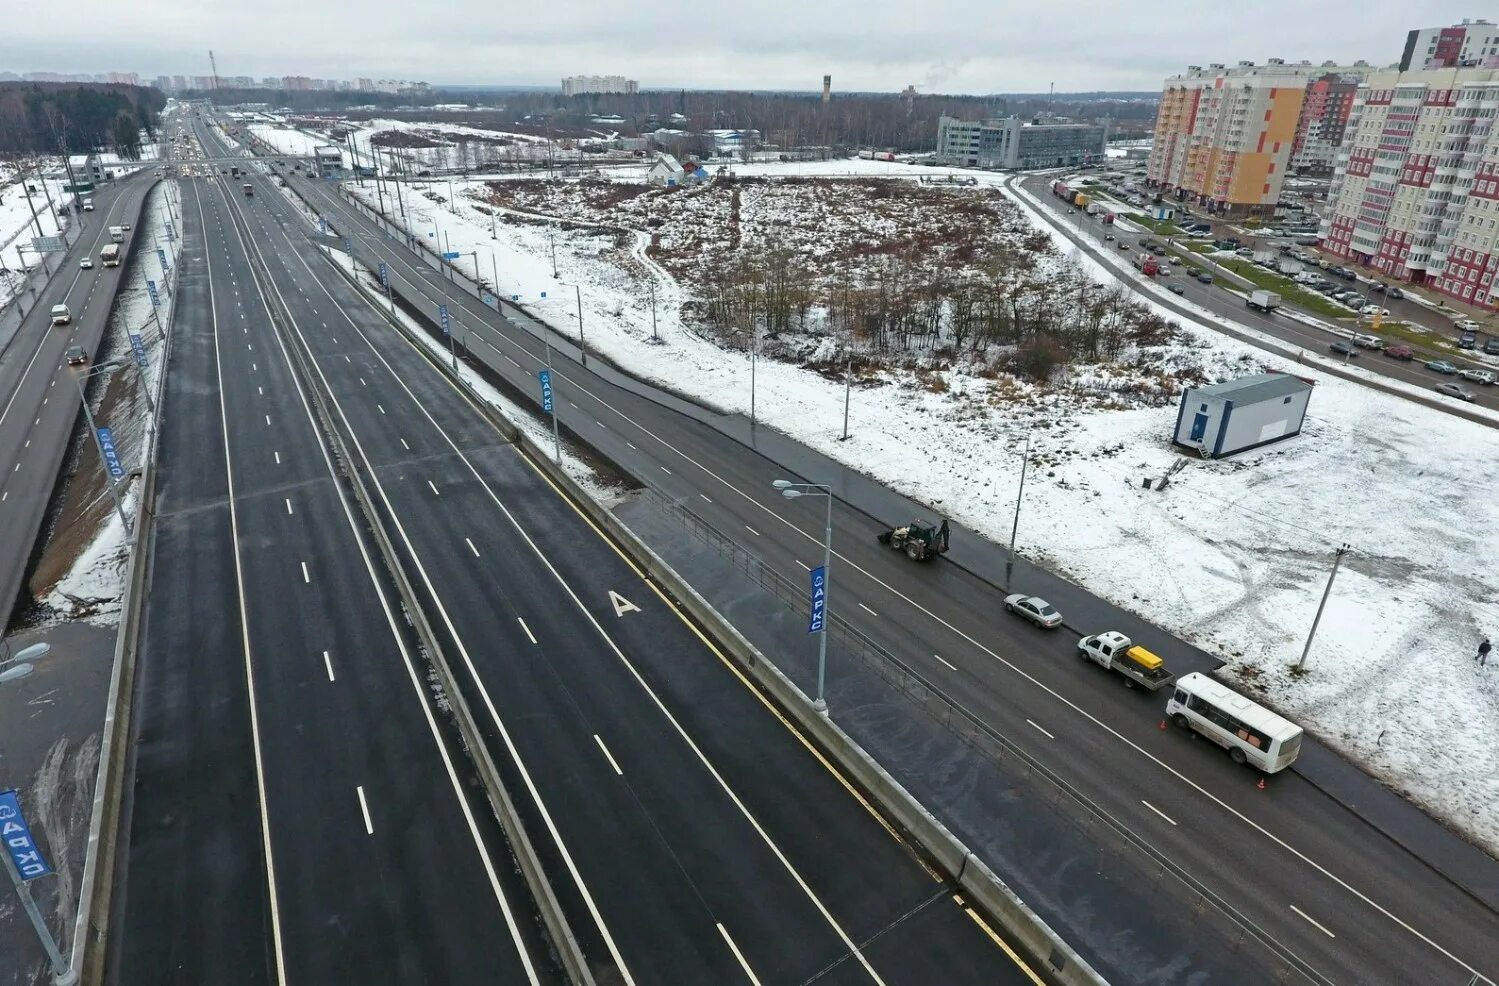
[[215, 66]]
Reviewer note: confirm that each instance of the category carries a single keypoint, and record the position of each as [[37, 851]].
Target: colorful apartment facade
[[1416, 191], [1223, 136], [1323, 122]]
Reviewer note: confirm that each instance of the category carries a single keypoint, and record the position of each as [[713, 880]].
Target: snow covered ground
[[1233, 555]]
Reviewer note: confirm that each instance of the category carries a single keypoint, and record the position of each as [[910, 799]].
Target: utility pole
[[1336, 561], [848, 376], [583, 349], [654, 336], [25, 188], [552, 232], [495, 265], [1015, 527]]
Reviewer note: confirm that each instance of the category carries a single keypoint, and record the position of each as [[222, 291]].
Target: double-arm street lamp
[[792, 491]]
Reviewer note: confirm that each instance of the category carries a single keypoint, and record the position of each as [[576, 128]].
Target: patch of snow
[[1232, 556]]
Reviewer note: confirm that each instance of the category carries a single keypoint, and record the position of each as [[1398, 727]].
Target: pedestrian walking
[[1483, 653]]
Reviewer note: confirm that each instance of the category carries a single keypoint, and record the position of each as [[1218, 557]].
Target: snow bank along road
[[690, 833], [38, 390], [1328, 886]]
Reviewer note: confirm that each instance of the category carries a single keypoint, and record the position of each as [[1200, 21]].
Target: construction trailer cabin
[[1226, 418], [329, 160]]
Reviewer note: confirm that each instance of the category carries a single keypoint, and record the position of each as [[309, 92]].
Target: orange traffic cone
[[1261, 784]]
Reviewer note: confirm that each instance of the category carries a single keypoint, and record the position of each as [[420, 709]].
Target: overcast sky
[[937, 45]]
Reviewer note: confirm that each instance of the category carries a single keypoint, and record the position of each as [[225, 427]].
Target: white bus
[[1249, 732]]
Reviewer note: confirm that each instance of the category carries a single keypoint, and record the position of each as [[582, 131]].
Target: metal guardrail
[[1107, 832]]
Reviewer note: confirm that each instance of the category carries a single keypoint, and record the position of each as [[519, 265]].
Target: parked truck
[[1147, 264], [1265, 301], [1113, 650]]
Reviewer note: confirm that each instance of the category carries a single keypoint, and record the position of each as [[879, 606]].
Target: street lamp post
[[1015, 527], [848, 377], [1336, 561], [654, 336], [582, 348], [18, 665], [792, 491], [88, 414]]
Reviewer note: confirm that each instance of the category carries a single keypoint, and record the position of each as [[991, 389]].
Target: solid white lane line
[[288, 505], [954, 667], [471, 547], [529, 635], [752, 530], [609, 755], [305, 577], [750, 973], [419, 689], [1165, 816], [1311, 922], [364, 808], [328, 663], [1033, 725], [434, 488], [868, 610]]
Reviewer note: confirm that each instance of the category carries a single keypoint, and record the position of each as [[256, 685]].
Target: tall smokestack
[[827, 89]]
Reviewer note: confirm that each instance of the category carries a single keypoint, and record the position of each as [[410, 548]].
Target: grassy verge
[[1288, 289], [1197, 246], [1162, 226]]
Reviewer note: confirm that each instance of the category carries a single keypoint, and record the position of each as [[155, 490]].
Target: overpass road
[[38, 393], [1361, 895], [692, 834]]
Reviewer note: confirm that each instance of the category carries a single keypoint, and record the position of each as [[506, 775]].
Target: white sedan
[[1035, 609], [86, 264]]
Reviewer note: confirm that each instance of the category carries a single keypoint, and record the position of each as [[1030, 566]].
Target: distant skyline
[[938, 46]]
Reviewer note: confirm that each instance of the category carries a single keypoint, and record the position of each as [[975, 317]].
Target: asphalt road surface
[[39, 390], [1319, 879], [691, 833], [298, 810]]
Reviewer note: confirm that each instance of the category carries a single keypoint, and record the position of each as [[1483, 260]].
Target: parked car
[[1364, 340], [1175, 288], [1379, 287], [1343, 349], [1369, 311], [1485, 377], [1395, 294], [1453, 390], [1401, 352], [1492, 346], [1035, 609], [76, 355], [1441, 366], [1465, 325]]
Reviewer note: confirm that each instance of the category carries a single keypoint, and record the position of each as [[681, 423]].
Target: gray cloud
[[938, 45]]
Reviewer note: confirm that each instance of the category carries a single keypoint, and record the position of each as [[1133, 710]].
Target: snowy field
[[1233, 556]]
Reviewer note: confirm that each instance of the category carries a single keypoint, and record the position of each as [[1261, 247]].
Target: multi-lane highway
[[38, 390], [1087, 234], [1326, 882], [691, 834]]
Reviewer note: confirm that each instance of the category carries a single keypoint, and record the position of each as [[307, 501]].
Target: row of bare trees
[[1010, 309]]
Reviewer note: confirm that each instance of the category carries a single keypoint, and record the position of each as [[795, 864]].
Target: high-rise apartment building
[[1471, 44], [1416, 191], [1323, 121], [578, 85], [1223, 136]]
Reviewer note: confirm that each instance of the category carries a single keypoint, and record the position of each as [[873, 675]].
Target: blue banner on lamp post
[[139, 346], [384, 276], [447, 321], [819, 599], [545, 376], [17, 837], [111, 457]]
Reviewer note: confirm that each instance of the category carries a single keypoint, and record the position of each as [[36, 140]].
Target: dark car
[[1400, 352], [1205, 277], [76, 355], [1124, 246], [1380, 287], [1175, 288], [1395, 294], [1108, 236], [1343, 349], [1492, 346]]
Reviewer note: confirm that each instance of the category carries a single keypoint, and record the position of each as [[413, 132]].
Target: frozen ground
[[1233, 556]]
